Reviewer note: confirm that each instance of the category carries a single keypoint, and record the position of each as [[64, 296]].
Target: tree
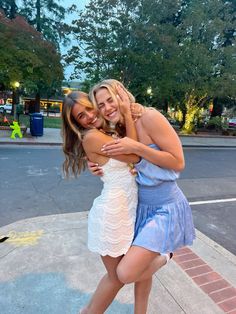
[[26, 57], [205, 35], [48, 18], [9, 7], [182, 50], [92, 32]]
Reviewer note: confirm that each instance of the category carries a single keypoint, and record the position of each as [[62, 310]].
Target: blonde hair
[[110, 85], [72, 134]]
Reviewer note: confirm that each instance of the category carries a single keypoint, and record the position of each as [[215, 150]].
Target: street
[[32, 185]]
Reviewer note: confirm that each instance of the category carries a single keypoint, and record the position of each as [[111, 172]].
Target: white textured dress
[[111, 219]]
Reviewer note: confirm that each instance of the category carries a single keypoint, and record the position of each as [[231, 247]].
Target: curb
[[60, 144], [208, 146], [32, 143], [207, 136]]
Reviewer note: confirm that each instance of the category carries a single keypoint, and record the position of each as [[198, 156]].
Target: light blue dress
[[164, 218]]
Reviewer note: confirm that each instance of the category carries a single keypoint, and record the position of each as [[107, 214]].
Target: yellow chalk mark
[[24, 238]]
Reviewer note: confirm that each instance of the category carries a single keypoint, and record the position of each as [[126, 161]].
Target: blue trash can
[[36, 124]]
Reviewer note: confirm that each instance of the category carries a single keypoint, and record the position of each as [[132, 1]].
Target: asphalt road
[[32, 185]]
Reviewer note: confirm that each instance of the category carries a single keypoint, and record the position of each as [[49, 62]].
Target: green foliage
[[215, 123], [26, 57], [174, 47], [9, 7], [193, 105], [48, 17]]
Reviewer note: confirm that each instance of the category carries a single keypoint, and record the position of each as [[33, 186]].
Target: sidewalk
[[46, 268], [50, 137], [53, 137]]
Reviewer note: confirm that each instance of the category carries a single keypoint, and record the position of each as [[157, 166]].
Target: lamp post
[[15, 97]]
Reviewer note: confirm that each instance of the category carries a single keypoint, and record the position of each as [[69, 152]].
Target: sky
[[67, 3]]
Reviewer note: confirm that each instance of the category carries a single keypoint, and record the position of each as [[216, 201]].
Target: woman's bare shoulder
[[95, 137], [152, 114], [91, 134]]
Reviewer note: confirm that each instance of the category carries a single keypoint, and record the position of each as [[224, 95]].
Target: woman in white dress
[[112, 216]]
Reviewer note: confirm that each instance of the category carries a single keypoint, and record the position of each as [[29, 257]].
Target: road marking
[[34, 172], [213, 201]]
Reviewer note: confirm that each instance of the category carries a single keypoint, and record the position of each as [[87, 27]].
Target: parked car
[[232, 123], [5, 108]]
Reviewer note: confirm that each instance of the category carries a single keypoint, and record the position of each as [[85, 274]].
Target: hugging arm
[[93, 143], [160, 132], [94, 168]]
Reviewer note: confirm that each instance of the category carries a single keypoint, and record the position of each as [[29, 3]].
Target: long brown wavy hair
[[72, 134]]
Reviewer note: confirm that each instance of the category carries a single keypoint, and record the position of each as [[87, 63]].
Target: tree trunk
[[13, 9], [217, 108], [15, 101], [165, 105], [38, 16], [182, 123]]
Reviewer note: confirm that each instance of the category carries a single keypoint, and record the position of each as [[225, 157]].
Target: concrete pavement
[[46, 268], [50, 137]]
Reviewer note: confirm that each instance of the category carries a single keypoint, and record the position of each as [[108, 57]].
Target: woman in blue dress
[[164, 219]]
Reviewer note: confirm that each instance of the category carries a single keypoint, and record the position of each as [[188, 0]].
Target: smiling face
[[108, 105], [86, 117]]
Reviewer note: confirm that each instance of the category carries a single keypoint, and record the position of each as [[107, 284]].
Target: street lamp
[[16, 84], [15, 97], [66, 90]]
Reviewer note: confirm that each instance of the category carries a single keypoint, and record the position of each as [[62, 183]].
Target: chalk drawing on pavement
[[24, 238]]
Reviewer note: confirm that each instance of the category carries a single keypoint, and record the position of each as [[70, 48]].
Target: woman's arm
[[93, 142], [155, 127], [94, 168], [161, 133], [125, 109]]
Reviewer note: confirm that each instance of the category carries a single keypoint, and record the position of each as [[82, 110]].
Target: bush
[[216, 123]]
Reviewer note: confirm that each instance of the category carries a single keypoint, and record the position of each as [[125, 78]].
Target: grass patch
[[48, 122]]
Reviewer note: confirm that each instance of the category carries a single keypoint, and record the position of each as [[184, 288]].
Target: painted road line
[[213, 201]]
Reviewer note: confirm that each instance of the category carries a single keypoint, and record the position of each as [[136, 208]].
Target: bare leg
[[156, 264], [143, 286], [137, 266], [107, 288], [136, 262], [141, 294]]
